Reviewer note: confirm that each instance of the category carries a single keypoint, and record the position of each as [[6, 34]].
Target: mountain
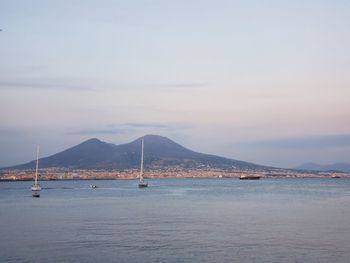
[[160, 152], [345, 167]]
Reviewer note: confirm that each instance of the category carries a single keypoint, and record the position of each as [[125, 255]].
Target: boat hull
[[36, 194], [143, 185], [249, 178]]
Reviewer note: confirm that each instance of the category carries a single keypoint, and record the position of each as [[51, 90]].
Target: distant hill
[[345, 167], [160, 152]]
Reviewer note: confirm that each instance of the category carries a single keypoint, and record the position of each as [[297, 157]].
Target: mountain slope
[[92, 153], [345, 167], [160, 152]]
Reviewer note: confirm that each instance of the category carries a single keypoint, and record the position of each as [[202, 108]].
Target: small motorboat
[[93, 186], [249, 177], [36, 194]]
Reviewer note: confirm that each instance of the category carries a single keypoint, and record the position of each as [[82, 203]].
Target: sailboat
[[36, 186], [142, 183]]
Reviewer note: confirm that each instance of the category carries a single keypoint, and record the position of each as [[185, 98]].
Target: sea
[[177, 220]]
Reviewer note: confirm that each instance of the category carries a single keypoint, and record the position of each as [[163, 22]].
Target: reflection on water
[[203, 220]]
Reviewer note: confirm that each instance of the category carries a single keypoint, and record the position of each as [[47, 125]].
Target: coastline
[[56, 174]]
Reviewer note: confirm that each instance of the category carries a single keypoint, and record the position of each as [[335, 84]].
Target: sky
[[260, 81]]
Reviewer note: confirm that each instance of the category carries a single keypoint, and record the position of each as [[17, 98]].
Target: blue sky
[[261, 81]]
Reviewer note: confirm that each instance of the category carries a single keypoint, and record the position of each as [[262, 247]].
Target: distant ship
[[36, 186], [142, 183], [335, 176], [249, 177]]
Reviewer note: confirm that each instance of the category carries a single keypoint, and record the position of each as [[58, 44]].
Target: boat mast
[[141, 171], [37, 164]]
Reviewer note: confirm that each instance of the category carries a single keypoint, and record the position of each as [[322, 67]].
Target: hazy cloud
[[187, 85], [128, 127], [147, 125], [162, 126], [342, 140], [9, 132], [35, 84], [96, 131]]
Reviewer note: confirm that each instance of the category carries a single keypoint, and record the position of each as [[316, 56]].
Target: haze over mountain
[[160, 152], [345, 167]]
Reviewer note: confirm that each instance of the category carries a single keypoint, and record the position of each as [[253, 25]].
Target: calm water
[[202, 220]]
